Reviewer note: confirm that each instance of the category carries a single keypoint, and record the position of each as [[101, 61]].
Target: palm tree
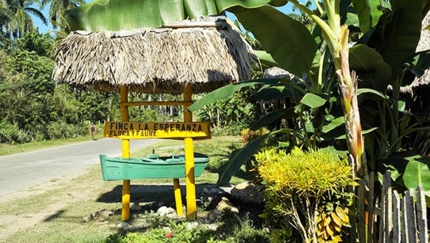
[[58, 8], [5, 20], [22, 21], [302, 17]]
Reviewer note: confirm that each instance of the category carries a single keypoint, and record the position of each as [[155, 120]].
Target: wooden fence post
[[388, 215], [396, 218], [371, 209], [410, 220], [362, 234], [386, 183], [422, 215]]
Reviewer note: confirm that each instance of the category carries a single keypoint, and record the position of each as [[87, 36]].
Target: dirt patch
[[14, 222], [37, 189]]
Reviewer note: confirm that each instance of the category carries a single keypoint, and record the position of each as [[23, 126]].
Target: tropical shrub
[[10, 133], [230, 116], [142, 114], [249, 135], [33, 107], [61, 130], [307, 190]]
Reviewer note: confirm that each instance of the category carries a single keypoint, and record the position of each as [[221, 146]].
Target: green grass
[[7, 149]]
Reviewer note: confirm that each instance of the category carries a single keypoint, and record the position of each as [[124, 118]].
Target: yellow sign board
[[139, 130]]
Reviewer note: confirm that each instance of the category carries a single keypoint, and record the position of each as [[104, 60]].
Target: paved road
[[21, 171]]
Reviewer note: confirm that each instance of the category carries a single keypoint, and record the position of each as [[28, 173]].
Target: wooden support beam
[[189, 160], [125, 147], [153, 103]]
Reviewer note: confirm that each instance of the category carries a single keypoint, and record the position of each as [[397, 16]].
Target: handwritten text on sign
[[156, 130]]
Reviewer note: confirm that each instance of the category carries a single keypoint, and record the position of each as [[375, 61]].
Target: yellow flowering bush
[[308, 190]]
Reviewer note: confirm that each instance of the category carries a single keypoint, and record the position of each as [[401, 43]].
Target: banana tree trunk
[[348, 82]]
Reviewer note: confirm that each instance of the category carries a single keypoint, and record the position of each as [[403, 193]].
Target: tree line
[[33, 107]]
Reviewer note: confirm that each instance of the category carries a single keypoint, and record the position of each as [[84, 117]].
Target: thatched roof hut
[[208, 53]]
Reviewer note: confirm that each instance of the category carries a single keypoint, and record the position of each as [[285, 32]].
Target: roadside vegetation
[[7, 149]]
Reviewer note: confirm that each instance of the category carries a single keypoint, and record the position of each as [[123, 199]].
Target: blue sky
[[43, 28]]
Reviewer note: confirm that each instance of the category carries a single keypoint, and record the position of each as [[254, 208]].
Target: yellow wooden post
[[189, 160], [178, 197], [125, 146]]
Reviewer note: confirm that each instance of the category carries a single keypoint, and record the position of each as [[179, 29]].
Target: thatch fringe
[[423, 45], [154, 60], [275, 72]]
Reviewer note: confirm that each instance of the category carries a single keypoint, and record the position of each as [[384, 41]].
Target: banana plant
[[363, 59], [336, 36]]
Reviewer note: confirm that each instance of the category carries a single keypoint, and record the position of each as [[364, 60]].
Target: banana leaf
[[227, 91], [365, 59], [333, 124], [380, 95], [368, 13], [364, 132], [288, 41], [265, 58], [314, 100], [400, 32], [409, 169], [240, 156], [116, 15], [272, 116], [365, 93], [417, 172], [283, 89], [417, 63]]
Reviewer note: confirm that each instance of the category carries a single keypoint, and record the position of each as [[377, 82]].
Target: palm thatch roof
[[207, 54], [275, 72], [423, 45]]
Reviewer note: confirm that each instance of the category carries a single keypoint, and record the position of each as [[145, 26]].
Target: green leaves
[[115, 15], [333, 124], [368, 13], [265, 58], [418, 63], [365, 59], [313, 100], [287, 40], [417, 172], [401, 30], [410, 168], [272, 116], [238, 158], [227, 91]]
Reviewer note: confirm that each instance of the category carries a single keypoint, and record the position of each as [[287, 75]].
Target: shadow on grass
[[150, 193], [54, 216]]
